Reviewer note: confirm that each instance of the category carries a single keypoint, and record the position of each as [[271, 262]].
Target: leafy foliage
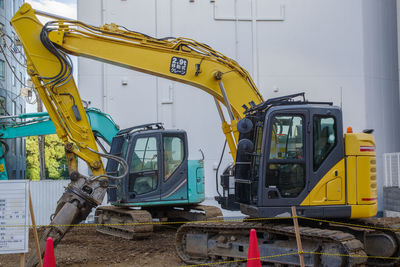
[[56, 164], [32, 158]]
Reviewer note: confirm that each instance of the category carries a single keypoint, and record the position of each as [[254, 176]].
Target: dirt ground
[[83, 246]]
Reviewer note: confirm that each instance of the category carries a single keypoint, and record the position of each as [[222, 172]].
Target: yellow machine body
[[352, 181]]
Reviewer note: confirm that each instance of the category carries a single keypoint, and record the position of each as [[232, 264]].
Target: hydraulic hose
[[122, 161], [216, 172]]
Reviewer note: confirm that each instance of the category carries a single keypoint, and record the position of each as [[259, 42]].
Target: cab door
[[327, 177], [285, 166], [144, 168]]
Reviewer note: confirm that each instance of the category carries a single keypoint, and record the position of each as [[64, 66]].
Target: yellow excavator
[[287, 151]]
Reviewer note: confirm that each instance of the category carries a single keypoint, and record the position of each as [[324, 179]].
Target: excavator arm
[[179, 59]]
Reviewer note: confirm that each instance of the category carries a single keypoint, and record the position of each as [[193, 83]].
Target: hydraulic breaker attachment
[[74, 206]]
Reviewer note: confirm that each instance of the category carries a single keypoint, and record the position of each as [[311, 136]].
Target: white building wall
[[45, 194], [334, 50], [381, 79]]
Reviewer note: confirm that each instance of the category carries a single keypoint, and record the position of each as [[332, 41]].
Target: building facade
[[12, 77], [339, 51]]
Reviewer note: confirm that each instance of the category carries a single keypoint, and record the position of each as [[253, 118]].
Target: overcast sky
[[65, 8]]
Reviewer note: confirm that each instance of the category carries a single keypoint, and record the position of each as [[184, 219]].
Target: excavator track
[[134, 224], [122, 222], [380, 236], [205, 243]]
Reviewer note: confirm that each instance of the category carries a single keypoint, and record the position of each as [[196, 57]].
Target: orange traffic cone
[[49, 260], [253, 256]]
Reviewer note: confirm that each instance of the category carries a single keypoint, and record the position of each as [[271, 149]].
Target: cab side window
[[286, 162], [324, 139], [144, 156], [287, 137], [173, 155], [143, 169]]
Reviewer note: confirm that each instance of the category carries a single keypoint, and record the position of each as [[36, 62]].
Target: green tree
[[56, 164], [32, 158]]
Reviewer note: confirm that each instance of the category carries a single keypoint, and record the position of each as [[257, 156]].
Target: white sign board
[[14, 216]]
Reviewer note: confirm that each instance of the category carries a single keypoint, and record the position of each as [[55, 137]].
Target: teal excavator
[[175, 196]]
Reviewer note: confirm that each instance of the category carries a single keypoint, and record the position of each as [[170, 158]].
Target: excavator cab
[[160, 184], [292, 153], [301, 146], [159, 169]]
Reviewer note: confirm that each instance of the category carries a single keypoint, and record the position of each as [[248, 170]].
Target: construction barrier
[[186, 222]]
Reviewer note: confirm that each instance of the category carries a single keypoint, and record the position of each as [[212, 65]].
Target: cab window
[[144, 156], [324, 139], [287, 138], [173, 155], [144, 166], [286, 163]]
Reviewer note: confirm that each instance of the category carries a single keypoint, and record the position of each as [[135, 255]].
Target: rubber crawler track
[[390, 226], [139, 222], [345, 241]]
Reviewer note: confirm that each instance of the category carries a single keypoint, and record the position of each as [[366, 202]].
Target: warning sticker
[[178, 65]]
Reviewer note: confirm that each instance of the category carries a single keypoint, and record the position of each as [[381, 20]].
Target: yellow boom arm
[[50, 69]]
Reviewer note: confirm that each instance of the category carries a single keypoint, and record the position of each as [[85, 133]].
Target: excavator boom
[[180, 59]]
